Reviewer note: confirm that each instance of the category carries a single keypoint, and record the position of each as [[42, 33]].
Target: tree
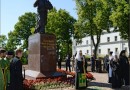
[[13, 41], [3, 40], [120, 18], [23, 28], [61, 23], [93, 19]]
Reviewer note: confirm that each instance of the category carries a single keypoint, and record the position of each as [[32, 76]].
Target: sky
[[12, 9]]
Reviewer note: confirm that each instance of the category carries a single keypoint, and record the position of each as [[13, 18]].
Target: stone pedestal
[[41, 56]]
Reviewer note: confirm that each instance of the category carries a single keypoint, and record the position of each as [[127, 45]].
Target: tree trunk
[[96, 44], [95, 51]]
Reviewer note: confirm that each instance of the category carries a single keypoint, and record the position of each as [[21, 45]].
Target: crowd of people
[[118, 69], [11, 70], [116, 66], [71, 62]]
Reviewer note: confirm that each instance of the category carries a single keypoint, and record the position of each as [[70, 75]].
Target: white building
[[109, 42]]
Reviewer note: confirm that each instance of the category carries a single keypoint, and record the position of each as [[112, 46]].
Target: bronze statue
[[42, 7]]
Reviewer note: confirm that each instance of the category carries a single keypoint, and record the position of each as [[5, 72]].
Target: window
[[87, 42], [116, 50], [108, 39], [87, 51], [115, 38], [99, 50], [108, 50]]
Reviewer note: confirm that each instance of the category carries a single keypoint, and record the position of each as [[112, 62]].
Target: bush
[[24, 60]]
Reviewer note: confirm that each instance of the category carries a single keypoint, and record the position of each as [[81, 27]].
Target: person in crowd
[[116, 73], [80, 62], [16, 78], [9, 57], [124, 65], [73, 62], [68, 62], [3, 65], [80, 69], [59, 62], [92, 63], [106, 63], [111, 57]]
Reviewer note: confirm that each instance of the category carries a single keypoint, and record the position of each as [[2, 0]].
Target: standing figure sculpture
[[42, 7]]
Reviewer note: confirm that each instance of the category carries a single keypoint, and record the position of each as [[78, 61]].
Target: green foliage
[[13, 41], [60, 23], [3, 40], [22, 30], [93, 18], [87, 56], [24, 58], [119, 17]]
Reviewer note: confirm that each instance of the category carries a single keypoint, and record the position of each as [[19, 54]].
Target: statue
[[42, 7]]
